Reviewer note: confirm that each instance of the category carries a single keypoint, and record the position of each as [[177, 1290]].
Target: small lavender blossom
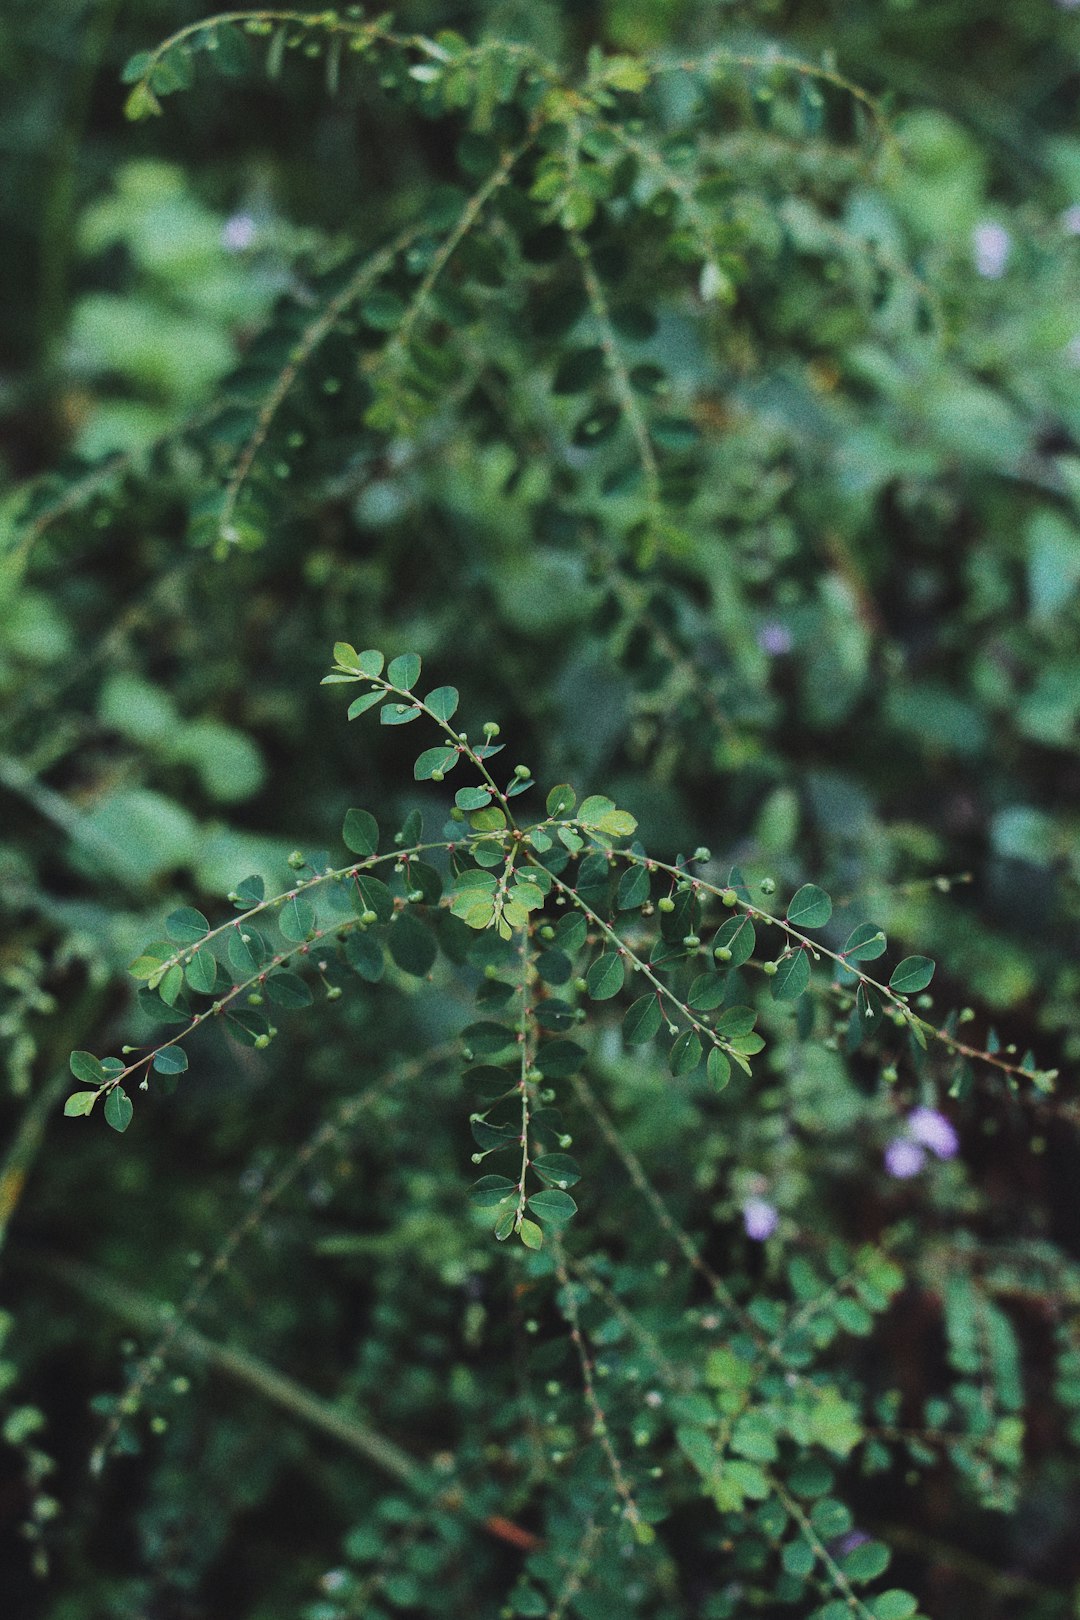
[[932, 1130], [904, 1158], [760, 1219], [238, 233], [774, 638], [1070, 220], [991, 245]]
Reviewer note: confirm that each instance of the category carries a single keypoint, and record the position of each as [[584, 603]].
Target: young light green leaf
[[118, 1109], [404, 672], [360, 832], [347, 657], [810, 907], [912, 974], [79, 1103], [531, 1235]]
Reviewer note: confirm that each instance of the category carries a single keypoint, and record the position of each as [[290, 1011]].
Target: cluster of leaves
[[649, 386]]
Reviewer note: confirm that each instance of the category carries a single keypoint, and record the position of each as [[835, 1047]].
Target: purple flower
[[238, 233], [904, 1158], [760, 1219], [932, 1130], [774, 638], [991, 245]]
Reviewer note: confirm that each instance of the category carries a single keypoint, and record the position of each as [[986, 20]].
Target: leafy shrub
[[652, 401]]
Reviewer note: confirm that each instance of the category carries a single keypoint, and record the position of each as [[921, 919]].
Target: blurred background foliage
[[852, 656]]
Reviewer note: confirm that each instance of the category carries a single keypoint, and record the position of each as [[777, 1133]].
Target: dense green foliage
[[694, 387]]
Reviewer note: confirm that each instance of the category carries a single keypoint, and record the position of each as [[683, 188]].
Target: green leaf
[[364, 955], [373, 895], [707, 991], [737, 935], [118, 1109], [434, 760], [347, 657], [187, 926], [404, 672], [360, 832], [141, 103], [594, 809], [685, 1053], [605, 977], [490, 1191], [472, 798], [810, 907], [79, 1103], [443, 702], [170, 1060], [398, 714], [792, 976], [912, 974], [643, 1019], [560, 1059], [866, 1562], [135, 67], [552, 1205], [412, 946], [633, 890], [561, 800], [201, 972], [718, 1068], [288, 990], [736, 1021], [360, 705], [531, 1235], [87, 1068], [297, 918], [557, 1169], [172, 984], [798, 1558], [370, 663], [865, 944], [893, 1605], [250, 892]]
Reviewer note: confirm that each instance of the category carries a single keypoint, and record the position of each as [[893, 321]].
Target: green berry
[[769, 968], [691, 941], [438, 776], [665, 903], [522, 772], [729, 897], [768, 885], [722, 953], [368, 917]]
